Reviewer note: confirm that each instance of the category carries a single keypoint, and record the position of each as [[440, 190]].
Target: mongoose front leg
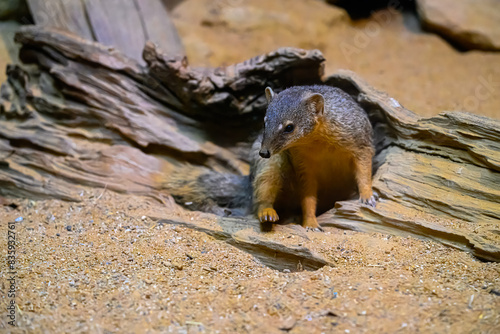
[[309, 192], [363, 165], [267, 184], [266, 195]]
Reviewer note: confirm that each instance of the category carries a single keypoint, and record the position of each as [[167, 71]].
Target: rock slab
[[472, 24]]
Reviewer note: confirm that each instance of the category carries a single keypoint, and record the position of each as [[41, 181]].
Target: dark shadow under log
[[80, 116]]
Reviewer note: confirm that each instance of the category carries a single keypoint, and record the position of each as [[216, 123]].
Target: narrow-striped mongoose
[[315, 149]]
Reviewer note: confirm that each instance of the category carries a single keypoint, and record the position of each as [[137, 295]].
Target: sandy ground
[[100, 266]]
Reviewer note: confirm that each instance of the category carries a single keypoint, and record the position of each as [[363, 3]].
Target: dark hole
[[359, 9]]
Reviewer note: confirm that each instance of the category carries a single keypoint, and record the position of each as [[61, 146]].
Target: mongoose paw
[[368, 200], [311, 224], [268, 215]]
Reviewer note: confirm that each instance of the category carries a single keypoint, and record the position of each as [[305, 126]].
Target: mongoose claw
[[311, 225], [314, 229], [369, 201], [268, 215]]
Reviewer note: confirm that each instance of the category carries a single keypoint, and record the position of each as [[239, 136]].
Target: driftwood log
[[124, 24], [80, 115]]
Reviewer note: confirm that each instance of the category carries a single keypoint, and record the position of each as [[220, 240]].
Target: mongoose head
[[291, 116]]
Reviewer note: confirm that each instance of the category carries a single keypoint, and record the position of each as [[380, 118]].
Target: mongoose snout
[[265, 153]]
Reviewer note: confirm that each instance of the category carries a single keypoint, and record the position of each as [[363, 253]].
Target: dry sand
[[98, 266]]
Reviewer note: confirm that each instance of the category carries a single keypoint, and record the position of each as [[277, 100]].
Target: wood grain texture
[[123, 24], [67, 15], [117, 23], [233, 91], [158, 26]]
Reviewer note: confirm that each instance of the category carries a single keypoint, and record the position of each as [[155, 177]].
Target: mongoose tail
[[209, 191]]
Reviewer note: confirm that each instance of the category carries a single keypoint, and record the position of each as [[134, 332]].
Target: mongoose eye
[[289, 128]]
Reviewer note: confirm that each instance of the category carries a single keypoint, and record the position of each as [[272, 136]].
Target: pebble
[[68, 228], [288, 323]]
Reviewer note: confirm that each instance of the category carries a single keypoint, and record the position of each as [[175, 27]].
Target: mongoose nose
[[265, 154]]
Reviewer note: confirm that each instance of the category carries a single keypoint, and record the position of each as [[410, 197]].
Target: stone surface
[[388, 50], [472, 24], [232, 31]]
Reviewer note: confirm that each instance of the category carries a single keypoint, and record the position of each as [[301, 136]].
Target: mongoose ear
[[316, 103], [269, 94]]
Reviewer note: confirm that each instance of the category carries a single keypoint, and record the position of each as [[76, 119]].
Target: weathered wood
[[67, 15], [123, 24], [111, 110], [428, 169], [86, 116], [117, 23], [158, 26], [236, 90]]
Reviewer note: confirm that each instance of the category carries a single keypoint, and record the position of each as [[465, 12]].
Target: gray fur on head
[[297, 107], [302, 107]]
